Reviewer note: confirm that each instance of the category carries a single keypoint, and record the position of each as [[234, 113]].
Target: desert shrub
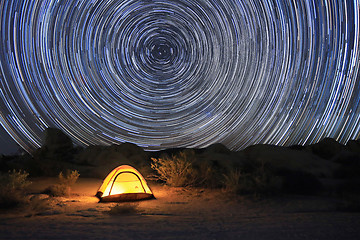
[[123, 209], [70, 177], [265, 181], [177, 171], [208, 174], [58, 190], [186, 169], [257, 179], [13, 188], [233, 180], [299, 182], [65, 182]]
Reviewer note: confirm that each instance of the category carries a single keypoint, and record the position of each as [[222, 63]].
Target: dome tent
[[124, 183]]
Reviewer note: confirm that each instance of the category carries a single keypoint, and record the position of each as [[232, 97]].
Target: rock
[[353, 146], [222, 161], [49, 213], [297, 147], [217, 148], [295, 160], [127, 149], [54, 156], [56, 140], [35, 197], [327, 148], [100, 160]]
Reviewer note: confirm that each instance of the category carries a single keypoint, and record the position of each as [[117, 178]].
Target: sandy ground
[[178, 213]]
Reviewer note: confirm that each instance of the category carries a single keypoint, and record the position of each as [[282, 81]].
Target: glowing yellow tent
[[124, 183]]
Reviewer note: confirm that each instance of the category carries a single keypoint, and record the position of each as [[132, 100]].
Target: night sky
[[180, 73]]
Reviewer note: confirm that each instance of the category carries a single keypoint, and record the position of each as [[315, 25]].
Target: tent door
[[126, 182]]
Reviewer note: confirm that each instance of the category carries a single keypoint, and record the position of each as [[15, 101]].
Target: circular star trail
[[180, 73]]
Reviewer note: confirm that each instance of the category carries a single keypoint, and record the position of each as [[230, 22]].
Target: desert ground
[[177, 213]]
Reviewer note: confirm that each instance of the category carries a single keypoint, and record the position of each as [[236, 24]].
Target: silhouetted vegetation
[[259, 169], [299, 182], [257, 178]]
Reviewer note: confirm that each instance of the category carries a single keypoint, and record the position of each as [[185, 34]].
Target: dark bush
[[254, 178], [299, 182]]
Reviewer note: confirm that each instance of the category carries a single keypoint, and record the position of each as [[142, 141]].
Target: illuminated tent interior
[[124, 183]]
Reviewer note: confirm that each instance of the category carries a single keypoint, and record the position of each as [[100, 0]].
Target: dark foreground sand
[[179, 213]]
